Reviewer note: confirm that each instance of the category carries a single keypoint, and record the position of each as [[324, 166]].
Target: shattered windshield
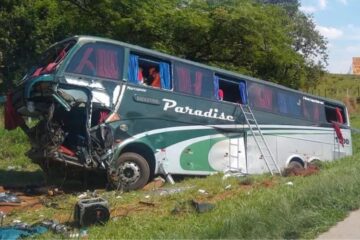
[[51, 58]]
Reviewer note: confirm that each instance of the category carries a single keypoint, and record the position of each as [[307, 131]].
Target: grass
[[338, 86], [253, 207]]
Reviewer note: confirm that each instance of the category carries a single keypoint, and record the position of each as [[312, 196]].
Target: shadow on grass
[[22, 179], [12, 178]]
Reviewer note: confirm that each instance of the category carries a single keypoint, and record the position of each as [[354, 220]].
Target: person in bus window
[[155, 77]]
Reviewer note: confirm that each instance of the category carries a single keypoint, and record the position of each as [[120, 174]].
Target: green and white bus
[[135, 113]]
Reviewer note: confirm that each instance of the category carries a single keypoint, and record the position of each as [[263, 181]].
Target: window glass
[[261, 96], [289, 103], [313, 109], [98, 60], [193, 80]]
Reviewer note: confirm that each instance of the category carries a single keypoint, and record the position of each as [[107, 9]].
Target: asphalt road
[[349, 228]]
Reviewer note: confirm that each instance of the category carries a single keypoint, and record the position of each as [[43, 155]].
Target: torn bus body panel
[[71, 128]]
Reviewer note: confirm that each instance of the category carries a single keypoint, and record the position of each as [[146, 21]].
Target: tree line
[[269, 39]]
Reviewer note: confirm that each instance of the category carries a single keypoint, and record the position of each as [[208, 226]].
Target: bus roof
[[215, 69]]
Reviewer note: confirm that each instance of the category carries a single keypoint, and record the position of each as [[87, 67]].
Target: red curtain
[[183, 79], [198, 83], [84, 61], [107, 64]]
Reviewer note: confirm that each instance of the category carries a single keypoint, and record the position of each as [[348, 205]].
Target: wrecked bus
[[134, 113]]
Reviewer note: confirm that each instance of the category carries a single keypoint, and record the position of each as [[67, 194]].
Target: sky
[[339, 22]]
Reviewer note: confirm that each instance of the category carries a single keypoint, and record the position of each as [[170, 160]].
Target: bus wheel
[[131, 172], [295, 164]]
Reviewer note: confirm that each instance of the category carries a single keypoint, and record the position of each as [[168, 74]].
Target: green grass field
[[255, 207], [337, 86]]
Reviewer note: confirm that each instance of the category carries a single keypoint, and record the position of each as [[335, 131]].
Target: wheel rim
[[129, 172]]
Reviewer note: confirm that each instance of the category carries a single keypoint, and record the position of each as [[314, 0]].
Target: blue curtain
[[294, 105], [243, 95], [216, 87], [133, 69], [282, 102], [165, 75]]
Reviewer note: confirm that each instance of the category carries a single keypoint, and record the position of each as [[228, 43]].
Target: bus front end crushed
[[70, 128]]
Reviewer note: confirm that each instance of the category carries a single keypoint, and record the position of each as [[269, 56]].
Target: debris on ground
[[202, 207], [203, 191], [309, 170], [247, 181], [155, 184], [191, 206], [289, 183], [55, 226], [170, 191], [20, 231], [91, 211], [237, 173], [7, 197]]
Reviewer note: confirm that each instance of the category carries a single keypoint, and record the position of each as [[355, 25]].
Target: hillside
[[343, 87]]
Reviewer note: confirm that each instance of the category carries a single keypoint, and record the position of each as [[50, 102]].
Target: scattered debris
[[155, 184], [289, 183], [88, 194], [6, 197], [91, 211], [170, 191], [233, 173], [147, 203], [54, 192], [246, 181], [55, 226], [228, 187], [20, 231], [202, 207], [190, 206], [203, 191]]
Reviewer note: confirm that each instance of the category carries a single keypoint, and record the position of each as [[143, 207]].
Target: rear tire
[[295, 164], [132, 172]]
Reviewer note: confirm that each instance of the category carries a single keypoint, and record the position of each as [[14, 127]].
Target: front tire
[[132, 172]]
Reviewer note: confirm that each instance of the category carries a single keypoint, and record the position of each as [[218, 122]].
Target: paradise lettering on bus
[[211, 113]]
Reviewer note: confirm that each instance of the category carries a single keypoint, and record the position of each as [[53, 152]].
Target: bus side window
[[335, 114], [149, 71], [261, 96], [232, 91], [193, 80]]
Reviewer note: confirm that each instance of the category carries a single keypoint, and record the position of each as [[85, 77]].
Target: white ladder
[[234, 148], [260, 140]]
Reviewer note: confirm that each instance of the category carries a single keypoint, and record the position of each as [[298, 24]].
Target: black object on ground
[[202, 207], [91, 211]]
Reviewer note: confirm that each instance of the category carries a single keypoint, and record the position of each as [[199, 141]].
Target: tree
[[269, 39]]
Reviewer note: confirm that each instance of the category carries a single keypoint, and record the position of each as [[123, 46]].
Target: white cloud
[[355, 49], [322, 4], [343, 2], [330, 32], [308, 9]]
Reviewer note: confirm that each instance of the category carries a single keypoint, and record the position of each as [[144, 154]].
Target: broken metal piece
[[202, 207], [9, 198]]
